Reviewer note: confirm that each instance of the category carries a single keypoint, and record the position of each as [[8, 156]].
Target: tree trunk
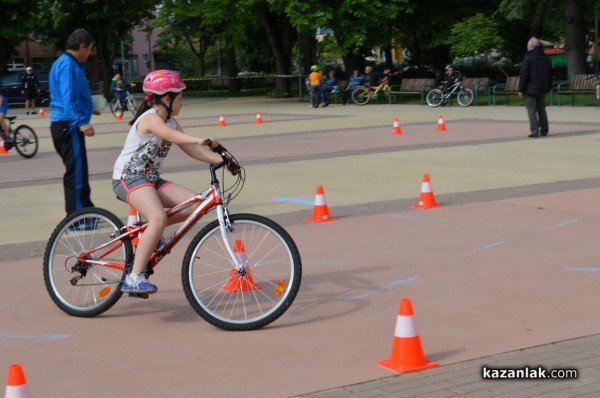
[[232, 69], [574, 38], [279, 33], [307, 51], [538, 19]]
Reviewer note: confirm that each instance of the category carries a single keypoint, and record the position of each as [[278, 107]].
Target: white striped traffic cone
[[396, 127], [238, 282], [320, 209], [426, 199], [441, 126], [16, 385], [407, 353]]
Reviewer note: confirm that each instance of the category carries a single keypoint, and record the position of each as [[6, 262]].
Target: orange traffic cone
[[118, 115], [3, 150], [320, 209], [222, 122], [41, 112], [238, 282], [396, 127], [426, 199], [441, 125], [407, 353], [16, 385], [259, 118], [132, 223]]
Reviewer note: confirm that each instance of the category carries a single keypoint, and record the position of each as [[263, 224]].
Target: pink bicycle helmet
[[163, 81]]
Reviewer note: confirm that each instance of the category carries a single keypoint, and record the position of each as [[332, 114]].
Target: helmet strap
[[169, 108]]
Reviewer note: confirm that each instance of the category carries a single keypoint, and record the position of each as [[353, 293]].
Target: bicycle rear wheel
[[361, 95], [465, 97], [25, 141], [80, 288], [250, 299], [435, 97]]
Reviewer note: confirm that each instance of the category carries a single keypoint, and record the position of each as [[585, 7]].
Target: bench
[[479, 85], [511, 87], [579, 84], [412, 86]]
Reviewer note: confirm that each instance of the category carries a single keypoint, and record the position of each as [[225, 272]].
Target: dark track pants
[[70, 145]]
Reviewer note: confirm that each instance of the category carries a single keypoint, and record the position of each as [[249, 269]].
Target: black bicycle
[[441, 96], [23, 139]]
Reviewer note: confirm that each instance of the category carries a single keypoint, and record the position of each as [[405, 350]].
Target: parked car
[[10, 87]]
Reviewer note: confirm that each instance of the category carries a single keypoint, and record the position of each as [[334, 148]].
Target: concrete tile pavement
[[465, 379], [568, 156]]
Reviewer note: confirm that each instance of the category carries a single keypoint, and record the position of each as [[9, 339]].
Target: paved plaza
[[504, 274]]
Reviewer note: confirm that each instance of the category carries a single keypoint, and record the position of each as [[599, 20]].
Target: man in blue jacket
[[72, 108], [535, 81]]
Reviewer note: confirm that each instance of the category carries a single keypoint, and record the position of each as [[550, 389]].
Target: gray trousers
[[536, 110]]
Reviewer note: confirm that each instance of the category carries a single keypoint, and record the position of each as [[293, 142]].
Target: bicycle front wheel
[[435, 97], [361, 95], [132, 105], [465, 97], [250, 298], [78, 287], [26, 141], [114, 104]]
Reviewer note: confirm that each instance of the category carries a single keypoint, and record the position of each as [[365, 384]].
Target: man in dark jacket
[[535, 81]]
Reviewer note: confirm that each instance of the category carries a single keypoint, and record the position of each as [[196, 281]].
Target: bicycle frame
[[448, 92], [208, 199]]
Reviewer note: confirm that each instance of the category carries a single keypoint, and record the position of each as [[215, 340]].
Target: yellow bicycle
[[361, 95]]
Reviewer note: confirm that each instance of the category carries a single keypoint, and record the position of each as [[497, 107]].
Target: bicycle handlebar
[[232, 164]]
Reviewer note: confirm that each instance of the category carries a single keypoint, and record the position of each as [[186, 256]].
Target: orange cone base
[[388, 364], [318, 218], [423, 205], [239, 283]]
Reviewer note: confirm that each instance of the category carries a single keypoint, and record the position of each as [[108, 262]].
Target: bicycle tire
[[26, 141], [360, 95], [230, 300], [84, 290], [132, 105], [435, 97], [465, 97], [113, 106]]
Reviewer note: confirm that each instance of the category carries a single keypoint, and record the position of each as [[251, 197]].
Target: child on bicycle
[[315, 83], [119, 89], [451, 76], [136, 174]]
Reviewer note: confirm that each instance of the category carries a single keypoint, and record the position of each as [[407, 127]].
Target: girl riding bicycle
[[136, 174]]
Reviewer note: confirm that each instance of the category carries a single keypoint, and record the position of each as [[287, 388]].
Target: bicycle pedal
[[139, 295]]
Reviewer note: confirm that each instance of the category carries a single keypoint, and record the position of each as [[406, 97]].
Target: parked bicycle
[[240, 272], [124, 104], [441, 96], [361, 95], [23, 139]]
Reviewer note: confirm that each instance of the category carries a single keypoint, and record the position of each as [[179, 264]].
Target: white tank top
[[142, 154]]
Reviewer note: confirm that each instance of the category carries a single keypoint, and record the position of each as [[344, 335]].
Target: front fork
[[226, 227]]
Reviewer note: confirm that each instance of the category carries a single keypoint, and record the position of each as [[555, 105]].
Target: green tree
[[110, 22], [474, 35], [16, 23]]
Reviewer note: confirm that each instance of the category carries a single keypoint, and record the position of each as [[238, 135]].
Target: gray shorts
[[124, 187]]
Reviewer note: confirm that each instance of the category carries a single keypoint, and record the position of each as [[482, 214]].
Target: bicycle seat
[[10, 118]]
